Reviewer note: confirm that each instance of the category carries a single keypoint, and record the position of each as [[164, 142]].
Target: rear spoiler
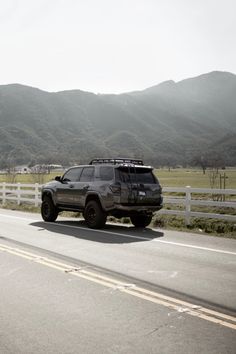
[[134, 167]]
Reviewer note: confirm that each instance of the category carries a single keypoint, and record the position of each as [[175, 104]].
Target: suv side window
[[87, 174], [106, 173], [72, 175]]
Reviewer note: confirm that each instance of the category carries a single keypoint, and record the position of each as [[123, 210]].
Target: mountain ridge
[[170, 123]]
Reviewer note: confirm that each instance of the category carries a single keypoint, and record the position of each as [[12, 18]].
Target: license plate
[[142, 193]]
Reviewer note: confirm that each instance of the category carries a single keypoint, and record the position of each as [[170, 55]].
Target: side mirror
[[58, 178]]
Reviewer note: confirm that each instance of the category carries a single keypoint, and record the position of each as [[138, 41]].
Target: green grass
[[11, 205], [195, 178], [28, 178], [214, 227]]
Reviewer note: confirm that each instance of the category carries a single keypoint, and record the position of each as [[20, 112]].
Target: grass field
[[168, 178], [192, 177]]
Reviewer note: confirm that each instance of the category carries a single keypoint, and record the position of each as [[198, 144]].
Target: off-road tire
[[140, 220], [48, 210], [94, 216]]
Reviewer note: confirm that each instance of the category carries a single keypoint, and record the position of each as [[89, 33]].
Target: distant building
[[46, 168], [22, 169]]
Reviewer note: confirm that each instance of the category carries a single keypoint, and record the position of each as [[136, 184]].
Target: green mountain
[[168, 124]]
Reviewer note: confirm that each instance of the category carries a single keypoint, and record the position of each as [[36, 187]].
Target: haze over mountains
[[168, 124]]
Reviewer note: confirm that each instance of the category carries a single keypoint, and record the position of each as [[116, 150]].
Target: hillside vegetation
[[168, 124]]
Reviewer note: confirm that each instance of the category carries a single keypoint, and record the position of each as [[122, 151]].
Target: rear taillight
[[115, 188]]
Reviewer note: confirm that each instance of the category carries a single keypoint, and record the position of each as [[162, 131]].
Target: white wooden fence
[[197, 197], [187, 197], [20, 193]]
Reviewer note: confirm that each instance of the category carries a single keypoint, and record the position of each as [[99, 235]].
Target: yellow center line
[[187, 304], [131, 289]]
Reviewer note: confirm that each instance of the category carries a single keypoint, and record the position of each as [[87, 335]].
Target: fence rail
[[20, 193], [30, 193], [197, 197]]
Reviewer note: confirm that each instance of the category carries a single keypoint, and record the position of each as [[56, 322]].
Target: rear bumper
[[138, 208]]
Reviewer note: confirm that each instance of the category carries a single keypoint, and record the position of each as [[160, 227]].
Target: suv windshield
[[135, 175]]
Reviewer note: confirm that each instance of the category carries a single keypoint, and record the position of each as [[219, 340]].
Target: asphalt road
[[68, 289]]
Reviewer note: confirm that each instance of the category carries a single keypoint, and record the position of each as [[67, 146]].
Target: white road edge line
[[124, 235], [197, 247]]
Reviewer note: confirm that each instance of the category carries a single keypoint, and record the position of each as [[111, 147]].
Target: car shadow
[[111, 233]]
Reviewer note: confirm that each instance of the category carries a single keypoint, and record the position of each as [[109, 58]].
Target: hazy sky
[[112, 46]]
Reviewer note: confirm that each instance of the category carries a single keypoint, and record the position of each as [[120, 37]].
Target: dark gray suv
[[118, 187]]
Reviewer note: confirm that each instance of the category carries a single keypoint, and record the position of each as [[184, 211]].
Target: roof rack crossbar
[[117, 161]]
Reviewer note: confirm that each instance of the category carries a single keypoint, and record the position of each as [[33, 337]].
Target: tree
[[200, 160]]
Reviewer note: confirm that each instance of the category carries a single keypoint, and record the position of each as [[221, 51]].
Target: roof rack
[[117, 161]]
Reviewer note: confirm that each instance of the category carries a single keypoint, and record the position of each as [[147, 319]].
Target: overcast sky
[[113, 46]]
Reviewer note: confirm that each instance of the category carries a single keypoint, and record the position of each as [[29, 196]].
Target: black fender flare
[[48, 193], [94, 196]]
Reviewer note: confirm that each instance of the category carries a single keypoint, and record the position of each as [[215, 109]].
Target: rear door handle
[[86, 186], [71, 186]]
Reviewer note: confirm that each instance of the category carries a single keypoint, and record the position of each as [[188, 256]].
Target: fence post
[[188, 206], [18, 193], [36, 196], [3, 193]]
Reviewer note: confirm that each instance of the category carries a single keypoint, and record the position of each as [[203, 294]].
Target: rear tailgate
[[139, 186]]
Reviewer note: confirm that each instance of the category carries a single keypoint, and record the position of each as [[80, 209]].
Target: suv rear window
[[135, 175]]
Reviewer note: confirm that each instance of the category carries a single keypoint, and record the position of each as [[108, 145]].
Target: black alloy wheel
[[48, 210], [94, 216], [140, 219]]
